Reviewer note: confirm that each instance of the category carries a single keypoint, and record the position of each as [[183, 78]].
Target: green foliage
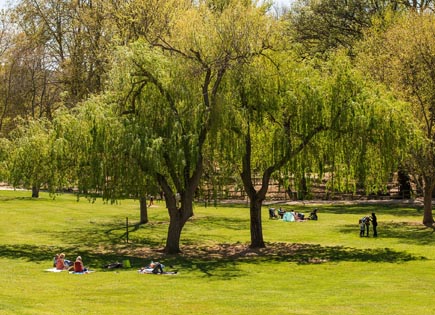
[[324, 119], [30, 156], [325, 25], [401, 55]]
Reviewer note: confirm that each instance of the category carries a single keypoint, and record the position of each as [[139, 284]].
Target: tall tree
[[172, 92], [76, 36], [302, 117], [320, 26], [401, 55]]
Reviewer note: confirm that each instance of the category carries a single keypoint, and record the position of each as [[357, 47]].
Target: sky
[[3, 3]]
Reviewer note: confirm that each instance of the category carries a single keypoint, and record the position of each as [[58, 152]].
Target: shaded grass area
[[222, 254]]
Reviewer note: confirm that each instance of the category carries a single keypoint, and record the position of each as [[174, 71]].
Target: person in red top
[[60, 262], [78, 265]]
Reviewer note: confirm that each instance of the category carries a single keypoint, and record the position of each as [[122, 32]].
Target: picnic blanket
[[54, 270], [71, 272], [149, 271], [81, 273]]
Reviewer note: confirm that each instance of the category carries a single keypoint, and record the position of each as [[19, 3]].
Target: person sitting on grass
[[78, 265], [56, 257], [313, 215], [281, 212], [60, 262], [272, 213]]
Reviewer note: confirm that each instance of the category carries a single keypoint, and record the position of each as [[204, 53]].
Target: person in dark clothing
[[313, 215], [157, 267], [374, 220], [366, 221], [281, 212]]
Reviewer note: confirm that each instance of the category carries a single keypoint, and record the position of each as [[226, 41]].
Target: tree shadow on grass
[[406, 232], [112, 233], [95, 260], [220, 261]]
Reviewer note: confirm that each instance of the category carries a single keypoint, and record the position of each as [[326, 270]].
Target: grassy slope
[[333, 270]]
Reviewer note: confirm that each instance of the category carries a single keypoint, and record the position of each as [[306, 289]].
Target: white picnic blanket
[[54, 270]]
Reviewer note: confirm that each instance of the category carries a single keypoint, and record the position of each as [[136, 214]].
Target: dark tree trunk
[[178, 218], [257, 240], [404, 184], [427, 215], [35, 191], [143, 210], [174, 233], [180, 206], [303, 188]]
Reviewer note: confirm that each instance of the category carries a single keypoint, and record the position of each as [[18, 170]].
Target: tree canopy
[[401, 54], [125, 99]]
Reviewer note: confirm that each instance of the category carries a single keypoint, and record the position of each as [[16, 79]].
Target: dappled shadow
[[405, 232], [110, 233], [45, 254], [14, 198], [219, 261], [30, 252], [222, 261]]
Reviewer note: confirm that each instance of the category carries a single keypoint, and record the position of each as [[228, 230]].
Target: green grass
[[321, 267]]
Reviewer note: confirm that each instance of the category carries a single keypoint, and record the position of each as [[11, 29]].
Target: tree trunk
[[257, 240], [174, 234], [404, 184], [180, 205], [35, 191], [427, 215], [178, 218], [143, 210]]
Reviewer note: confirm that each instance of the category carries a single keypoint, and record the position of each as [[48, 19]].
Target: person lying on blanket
[[153, 267]]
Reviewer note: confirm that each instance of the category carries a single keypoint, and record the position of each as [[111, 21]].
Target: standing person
[[366, 220], [362, 227], [374, 224]]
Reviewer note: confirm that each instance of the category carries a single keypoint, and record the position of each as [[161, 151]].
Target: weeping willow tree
[[85, 150], [95, 145], [308, 117], [168, 87], [401, 54], [30, 151]]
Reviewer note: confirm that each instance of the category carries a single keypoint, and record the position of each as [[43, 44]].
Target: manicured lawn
[[321, 267]]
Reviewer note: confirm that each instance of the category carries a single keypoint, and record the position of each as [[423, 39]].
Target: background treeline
[[135, 98]]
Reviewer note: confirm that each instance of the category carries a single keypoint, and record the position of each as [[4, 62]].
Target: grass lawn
[[313, 267]]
